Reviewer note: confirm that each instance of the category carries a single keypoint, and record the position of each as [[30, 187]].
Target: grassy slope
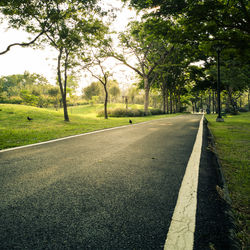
[[232, 139], [16, 130]]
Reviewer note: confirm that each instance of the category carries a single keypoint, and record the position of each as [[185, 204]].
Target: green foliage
[[94, 89], [114, 90], [121, 112], [94, 100], [30, 89], [28, 98], [217, 20]]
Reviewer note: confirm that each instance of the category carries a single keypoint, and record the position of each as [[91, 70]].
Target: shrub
[[156, 111], [12, 100], [120, 112], [243, 110], [183, 109]]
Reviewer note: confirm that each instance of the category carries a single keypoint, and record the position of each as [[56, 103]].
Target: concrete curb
[[232, 227]]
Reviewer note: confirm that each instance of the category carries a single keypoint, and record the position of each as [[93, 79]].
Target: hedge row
[[119, 112]]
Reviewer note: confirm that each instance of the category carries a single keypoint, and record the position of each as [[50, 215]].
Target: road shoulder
[[215, 227]]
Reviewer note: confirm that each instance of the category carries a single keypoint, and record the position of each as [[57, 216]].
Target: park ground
[[232, 142], [47, 124]]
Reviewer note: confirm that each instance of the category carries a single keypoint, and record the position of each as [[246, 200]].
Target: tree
[[74, 28], [54, 93], [92, 90], [148, 51], [32, 85], [103, 78], [210, 21], [114, 89], [72, 84], [234, 81], [68, 26]]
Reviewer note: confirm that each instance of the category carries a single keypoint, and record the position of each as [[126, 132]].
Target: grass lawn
[[232, 138], [47, 124]]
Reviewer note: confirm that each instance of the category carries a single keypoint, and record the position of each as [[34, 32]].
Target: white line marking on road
[[61, 139], [73, 136], [181, 231]]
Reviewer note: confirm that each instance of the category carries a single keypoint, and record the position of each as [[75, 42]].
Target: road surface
[[115, 189]]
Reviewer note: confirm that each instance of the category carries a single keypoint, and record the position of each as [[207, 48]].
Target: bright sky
[[18, 59]]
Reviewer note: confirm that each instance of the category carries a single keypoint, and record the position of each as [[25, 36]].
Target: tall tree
[[102, 77], [227, 21], [148, 51], [69, 26], [75, 27]]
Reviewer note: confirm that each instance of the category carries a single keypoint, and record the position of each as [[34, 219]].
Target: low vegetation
[[232, 139], [47, 124], [123, 112]]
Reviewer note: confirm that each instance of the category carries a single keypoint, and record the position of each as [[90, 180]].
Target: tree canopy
[[173, 45]]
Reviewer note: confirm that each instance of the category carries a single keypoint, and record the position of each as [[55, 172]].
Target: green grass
[[47, 124], [232, 138]]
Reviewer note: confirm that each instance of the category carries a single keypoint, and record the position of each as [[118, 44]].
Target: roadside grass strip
[[181, 231], [232, 141], [46, 124]]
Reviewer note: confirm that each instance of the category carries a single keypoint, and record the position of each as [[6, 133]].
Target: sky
[[42, 61]]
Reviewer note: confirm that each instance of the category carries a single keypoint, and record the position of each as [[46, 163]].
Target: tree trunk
[[216, 103], [65, 109], [164, 93], [201, 104], [176, 105], [126, 102], [209, 101], [213, 102], [106, 102], [171, 102], [164, 101], [63, 90], [248, 97], [179, 102], [146, 98], [167, 101], [195, 106]]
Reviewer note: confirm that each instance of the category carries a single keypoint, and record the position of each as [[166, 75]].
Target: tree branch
[[128, 65], [65, 70], [23, 44], [97, 77]]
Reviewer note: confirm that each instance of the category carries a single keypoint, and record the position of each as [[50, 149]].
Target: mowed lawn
[[232, 138], [47, 124]]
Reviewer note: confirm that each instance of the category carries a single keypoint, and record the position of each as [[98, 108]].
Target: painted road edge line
[[73, 136], [181, 231]]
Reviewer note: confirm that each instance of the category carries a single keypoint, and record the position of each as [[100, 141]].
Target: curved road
[[115, 189]]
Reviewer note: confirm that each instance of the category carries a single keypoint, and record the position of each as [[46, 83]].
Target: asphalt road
[[115, 189]]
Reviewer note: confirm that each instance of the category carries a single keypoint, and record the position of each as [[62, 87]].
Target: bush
[[12, 100], [156, 111], [243, 110], [120, 112], [183, 109]]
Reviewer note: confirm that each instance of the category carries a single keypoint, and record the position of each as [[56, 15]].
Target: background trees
[[68, 26], [31, 89], [163, 49], [199, 25], [148, 51], [74, 29]]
